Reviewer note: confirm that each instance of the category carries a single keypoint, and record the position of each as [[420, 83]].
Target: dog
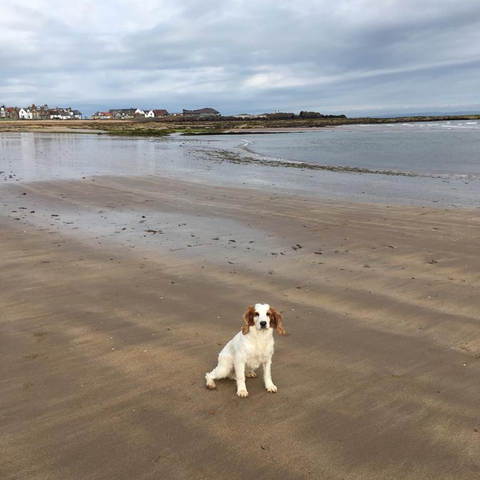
[[250, 348]]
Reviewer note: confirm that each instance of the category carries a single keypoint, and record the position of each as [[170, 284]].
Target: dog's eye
[[268, 314], [256, 314]]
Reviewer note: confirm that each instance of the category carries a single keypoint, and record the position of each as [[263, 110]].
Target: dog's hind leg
[[222, 370]]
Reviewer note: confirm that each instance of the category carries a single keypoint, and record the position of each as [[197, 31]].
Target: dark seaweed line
[[345, 169], [256, 159]]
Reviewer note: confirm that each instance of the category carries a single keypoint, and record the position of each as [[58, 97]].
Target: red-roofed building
[[102, 116], [156, 113]]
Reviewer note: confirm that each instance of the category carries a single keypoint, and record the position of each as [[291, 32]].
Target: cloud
[[348, 55]]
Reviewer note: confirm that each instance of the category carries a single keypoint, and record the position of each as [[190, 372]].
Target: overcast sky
[[334, 56]]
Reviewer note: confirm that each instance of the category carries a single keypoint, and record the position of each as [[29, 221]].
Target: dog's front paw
[[242, 393], [211, 385], [272, 388]]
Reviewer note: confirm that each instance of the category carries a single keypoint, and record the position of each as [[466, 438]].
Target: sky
[[353, 57]]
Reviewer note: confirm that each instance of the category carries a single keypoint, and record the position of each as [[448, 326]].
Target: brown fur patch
[[276, 321], [248, 319]]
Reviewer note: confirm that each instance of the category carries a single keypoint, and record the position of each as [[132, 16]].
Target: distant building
[[139, 113], [59, 114], [102, 116], [11, 113], [40, 113], [24, 114], [122, 113], [156, 113], [64, 114], [149, 113], [202, 112]]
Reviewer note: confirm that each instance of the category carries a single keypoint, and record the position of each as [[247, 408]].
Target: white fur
[[243, 354]]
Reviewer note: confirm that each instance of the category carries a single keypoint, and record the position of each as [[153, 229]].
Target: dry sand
[[107, 330]]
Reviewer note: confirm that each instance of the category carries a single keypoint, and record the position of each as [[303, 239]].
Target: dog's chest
[[259, 352]]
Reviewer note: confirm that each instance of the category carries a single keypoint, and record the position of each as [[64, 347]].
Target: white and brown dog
[[250, 348]]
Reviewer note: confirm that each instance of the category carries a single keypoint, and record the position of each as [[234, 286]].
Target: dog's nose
[[263, 324]]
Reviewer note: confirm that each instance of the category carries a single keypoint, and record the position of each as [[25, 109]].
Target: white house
[[25, 114], [61, 114], [156, 113]]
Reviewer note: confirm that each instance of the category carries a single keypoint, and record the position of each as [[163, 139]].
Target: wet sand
[[117, 293]]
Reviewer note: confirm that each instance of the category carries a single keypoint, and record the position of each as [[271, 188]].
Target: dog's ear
[[276, 321], [248, 319]]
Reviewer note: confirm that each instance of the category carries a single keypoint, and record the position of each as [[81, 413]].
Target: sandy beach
[[118, 292]]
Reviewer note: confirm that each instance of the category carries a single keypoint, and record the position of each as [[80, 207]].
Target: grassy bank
[[189, 126]]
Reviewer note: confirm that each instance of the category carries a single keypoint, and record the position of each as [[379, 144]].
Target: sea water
[[420, 164], [449, 148]]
